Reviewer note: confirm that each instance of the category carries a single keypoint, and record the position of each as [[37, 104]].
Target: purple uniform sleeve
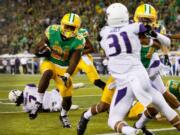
[[142, 28]]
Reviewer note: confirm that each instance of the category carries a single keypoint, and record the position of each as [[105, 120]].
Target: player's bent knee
[[171, 100], [103, 107], [48, 73], [151, 112]]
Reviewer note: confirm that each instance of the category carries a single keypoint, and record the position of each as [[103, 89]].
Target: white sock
[[88, 114], [40, 97], [141, 122], [128, 130], [63, 112]]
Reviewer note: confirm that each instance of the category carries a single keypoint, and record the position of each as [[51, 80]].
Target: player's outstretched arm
[[149, 41], [73, 62], [174, 36], [72, 66], [88, 47]]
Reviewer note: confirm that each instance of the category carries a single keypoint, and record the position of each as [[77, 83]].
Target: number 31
[[116, 44]]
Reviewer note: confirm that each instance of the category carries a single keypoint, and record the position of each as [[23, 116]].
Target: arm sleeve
[[142, 28], [79, 45], [47, 34], [163, 40]]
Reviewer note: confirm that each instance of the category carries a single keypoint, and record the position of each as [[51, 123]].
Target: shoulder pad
[[83, 32], [55, 27]]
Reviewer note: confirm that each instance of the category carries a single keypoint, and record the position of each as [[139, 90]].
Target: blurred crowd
[[30, 65], [22, 22]]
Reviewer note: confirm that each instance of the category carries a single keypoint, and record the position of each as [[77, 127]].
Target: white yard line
[[73, 96], [4, 86], [162, 129], [7, 103], [25, 112], [109, 134], [87, 96], [154, 130], [4, 99], [12, 112]]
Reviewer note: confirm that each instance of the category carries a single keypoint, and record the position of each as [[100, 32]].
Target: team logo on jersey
[[56, 52], [59, 53]]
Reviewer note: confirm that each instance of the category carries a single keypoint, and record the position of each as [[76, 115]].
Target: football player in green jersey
[[146, 14], [86, 62], [62, 47], [174, 87]]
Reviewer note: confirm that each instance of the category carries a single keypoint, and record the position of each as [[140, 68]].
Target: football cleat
[[82, 125], [33, 113], [74, 107], [65, 121], [146, 131]]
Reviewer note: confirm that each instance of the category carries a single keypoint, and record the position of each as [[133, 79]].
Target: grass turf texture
[[48, 123]]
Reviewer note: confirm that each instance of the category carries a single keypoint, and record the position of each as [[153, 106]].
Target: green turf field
[[14, 122]]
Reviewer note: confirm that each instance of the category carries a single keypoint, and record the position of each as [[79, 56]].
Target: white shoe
[[74, 107], [132, 131], [78, 85]]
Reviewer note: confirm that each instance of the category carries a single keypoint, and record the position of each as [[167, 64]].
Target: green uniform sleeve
[[78, 46], [51, 28], [174, 88], [47, 32]]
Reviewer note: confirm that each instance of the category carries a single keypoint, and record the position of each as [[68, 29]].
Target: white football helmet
[[117, 15], [14, 94]]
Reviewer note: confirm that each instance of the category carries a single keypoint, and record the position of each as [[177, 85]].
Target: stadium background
[[21, 24], [23, 21]]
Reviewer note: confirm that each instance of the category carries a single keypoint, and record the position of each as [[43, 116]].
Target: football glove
[[44, 51], [65, 78], [166, 60], [150, 32]]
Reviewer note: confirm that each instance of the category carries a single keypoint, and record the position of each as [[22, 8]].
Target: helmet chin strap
[[64, 37]]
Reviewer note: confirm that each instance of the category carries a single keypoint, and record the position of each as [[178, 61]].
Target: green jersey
[[62, 49], [174, 88], [147, 51], [146, 54]]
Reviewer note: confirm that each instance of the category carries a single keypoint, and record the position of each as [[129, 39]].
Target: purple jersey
[[122, 46]]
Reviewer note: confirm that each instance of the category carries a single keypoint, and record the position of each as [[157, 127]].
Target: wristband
[[67, 75], [151, 42]]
